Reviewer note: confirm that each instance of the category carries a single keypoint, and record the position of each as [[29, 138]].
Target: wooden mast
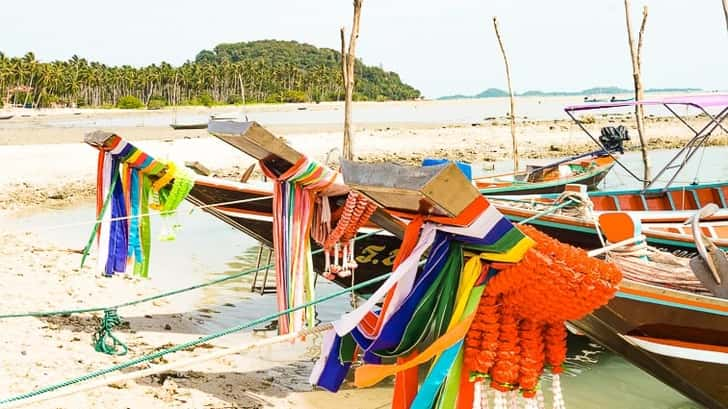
[[636, 54], [348, 60], [510, 94]]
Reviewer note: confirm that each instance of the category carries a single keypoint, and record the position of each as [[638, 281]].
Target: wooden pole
[[636, 54], [510, 94], [725, 10], [348, 60]]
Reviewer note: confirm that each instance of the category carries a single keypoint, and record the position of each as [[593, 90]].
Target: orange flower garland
[[532, 356], [519, 324]]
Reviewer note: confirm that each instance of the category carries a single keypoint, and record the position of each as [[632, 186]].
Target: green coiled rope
[[104, 340], [186, 345]]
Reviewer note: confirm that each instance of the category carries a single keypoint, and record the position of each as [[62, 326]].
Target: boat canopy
[[697, 101], [700, 134]]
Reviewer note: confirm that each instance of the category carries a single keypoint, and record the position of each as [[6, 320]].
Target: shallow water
[[206, 249]]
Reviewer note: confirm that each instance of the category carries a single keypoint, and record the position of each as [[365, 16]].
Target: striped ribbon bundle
[[496, 320], [294, 195], [438, 303], [125, 183]]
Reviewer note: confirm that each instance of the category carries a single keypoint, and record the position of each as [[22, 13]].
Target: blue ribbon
[[116, 261], [433, 383], [135, 246]]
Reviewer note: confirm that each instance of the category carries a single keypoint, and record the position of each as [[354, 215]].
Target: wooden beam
[[438, 190], [257, 142]]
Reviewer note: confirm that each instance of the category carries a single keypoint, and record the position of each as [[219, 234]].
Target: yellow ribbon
[[164, 180]]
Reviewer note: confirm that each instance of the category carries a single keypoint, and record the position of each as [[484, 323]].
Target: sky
[[440, 47]]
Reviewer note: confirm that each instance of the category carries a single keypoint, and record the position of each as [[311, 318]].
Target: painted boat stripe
[[637, 295], [692, 354], [683, 344]]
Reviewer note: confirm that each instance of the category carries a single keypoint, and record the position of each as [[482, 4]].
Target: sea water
[[206, 249], [466, 111]]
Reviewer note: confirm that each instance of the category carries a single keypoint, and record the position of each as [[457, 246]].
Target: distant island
[[497, 93], [267, 71]]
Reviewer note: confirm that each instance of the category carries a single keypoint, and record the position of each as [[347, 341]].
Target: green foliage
[[129, 102], [234, 99], [264, 71], [294, 96], [156, 103], [206, 100]]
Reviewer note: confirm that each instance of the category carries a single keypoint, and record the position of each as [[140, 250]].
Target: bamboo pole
[[636, 54], [348, 60], [510, 94], [725, 10]]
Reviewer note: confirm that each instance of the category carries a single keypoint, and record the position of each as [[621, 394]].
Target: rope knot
[[104, 340]]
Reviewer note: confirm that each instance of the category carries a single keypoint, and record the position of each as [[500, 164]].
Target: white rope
[[90, 222], [164, 368]]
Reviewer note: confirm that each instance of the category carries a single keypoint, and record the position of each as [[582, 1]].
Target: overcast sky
[[441, 47]]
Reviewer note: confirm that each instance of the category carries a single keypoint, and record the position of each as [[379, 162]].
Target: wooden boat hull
[[374, 254], [180, 127], [639, 312], [677, 337], [4, 117], [582, 233]]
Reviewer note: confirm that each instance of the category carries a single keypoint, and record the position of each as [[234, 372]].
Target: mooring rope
[[136, 216], [171, 366], [189, 344], [157, 296]]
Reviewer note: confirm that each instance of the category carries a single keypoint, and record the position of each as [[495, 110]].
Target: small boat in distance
[[3, 117], [203, 125], [587, 169], [179, 127]]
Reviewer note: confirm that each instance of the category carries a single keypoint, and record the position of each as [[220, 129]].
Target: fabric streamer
[[124, 233], [294, 195], [494, 320]]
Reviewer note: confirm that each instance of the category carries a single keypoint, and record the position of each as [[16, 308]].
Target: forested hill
[[260, 71], [318, 70]]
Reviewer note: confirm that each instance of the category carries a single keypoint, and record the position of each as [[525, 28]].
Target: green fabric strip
[[436, 307], [503, 245]]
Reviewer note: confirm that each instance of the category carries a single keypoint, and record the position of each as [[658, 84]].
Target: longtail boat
[[662, 319], [665, 321], [4, 117], [180, 127], [587, 169], [669, 321]]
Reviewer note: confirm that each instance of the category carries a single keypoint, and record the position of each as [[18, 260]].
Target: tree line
[[266, 71]]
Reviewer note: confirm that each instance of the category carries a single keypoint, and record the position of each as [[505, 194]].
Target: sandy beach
[[47, 166]]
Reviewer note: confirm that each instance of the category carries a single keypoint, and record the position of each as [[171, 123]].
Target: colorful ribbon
[[439, 302], [294, 194], [123, 236]]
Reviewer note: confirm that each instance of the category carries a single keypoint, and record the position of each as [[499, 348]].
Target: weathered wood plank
[[442, 190], [256, 141]]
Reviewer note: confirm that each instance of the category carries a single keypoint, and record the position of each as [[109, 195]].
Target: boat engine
[[612, 138]]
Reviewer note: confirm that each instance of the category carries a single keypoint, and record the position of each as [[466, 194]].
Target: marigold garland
[[519, 325], [355, 213]]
